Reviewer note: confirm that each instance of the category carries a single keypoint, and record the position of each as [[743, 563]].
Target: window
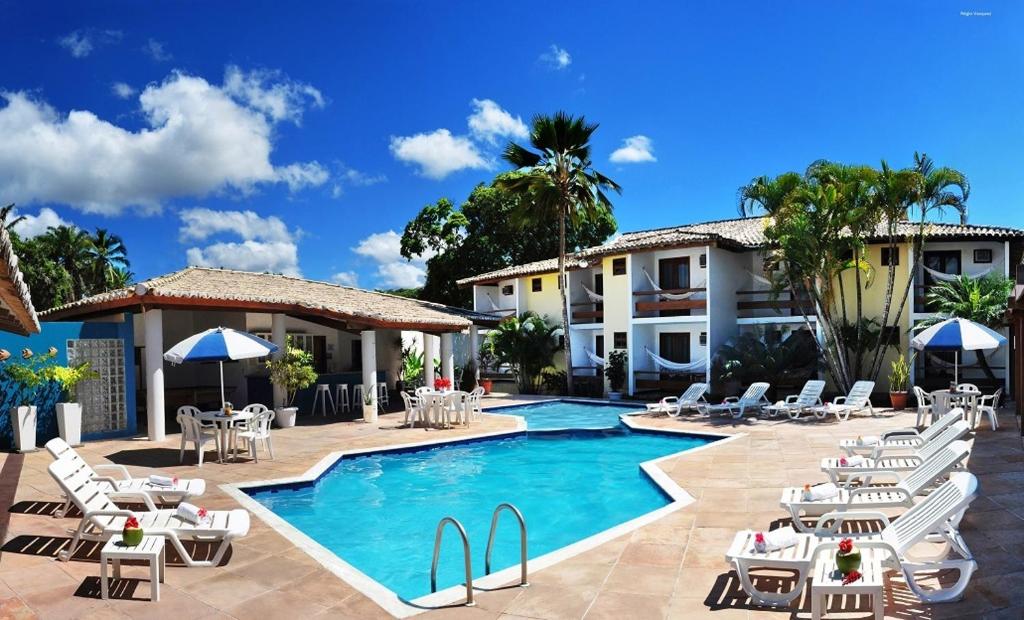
[[674, 273], [890, 256], [618, 266], [619, 340], [703, 261], [703, 339], [506, 290], [536, 285], [675, 346], [983, 256]]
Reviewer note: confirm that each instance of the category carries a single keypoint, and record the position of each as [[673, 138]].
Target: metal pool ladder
[[523, 582], [465, 551]]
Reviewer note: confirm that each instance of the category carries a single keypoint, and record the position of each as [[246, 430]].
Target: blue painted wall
[[56, 335]]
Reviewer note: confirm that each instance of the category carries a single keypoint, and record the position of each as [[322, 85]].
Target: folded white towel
[[821, 492], [852, 461], [780, 538], [163, 481], [870, 440], [192, 513]]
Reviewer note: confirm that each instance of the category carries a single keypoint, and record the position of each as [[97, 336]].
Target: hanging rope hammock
[[697, 367], [594, 297], [669, 296], [759, 279], [597, 361], [490, 300], [949, 277], [938, 361]]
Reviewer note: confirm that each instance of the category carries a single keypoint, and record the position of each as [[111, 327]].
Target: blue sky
[[261, 135]]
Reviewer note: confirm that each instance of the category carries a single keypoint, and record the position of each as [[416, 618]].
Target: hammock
[[597, 361], [669, 296], [949, 277], [494, 306], [759, 279], [938, 361], [698, 367], [594, 297]]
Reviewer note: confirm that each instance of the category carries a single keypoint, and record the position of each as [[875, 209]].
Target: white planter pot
[[614, 395], [23, 420], [69, 422], [369, 413], [285, 416]]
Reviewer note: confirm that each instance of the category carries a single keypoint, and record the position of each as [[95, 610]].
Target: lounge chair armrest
[[874, 489], [731, 399], [792, 398], [900, 431], [839, 400], [143, 496], [670, 400], [121, 512], [121, 469], [840, 517]]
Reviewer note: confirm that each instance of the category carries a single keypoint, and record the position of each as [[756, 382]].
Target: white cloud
[[489, 122], [156, 50], [393, 269], [346, 278], [438, 153], [35, 225], [634, 150], [122, 90], [271, 93], [199, 140], [556, 57], [350, 177], [81, 43], [266, 242]]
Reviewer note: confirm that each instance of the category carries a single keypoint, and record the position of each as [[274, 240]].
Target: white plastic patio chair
[[752, 400], [193, 430], [796, 404], [101, 518], [457, 404], [119, 483], [968, 388], [687, 401], [893, 466], [989, 406], [475, 407], [254, 431], [925, 406], [413, 410], [899, 495], [858, 399], [933, 519], [902, 440]]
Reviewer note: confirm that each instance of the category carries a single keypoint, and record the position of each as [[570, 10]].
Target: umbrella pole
[[956, 368], [222, 401]]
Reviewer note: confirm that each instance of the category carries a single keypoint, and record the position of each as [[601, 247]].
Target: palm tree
[[982, 300], [119, 277], [5, 213], [558, 182], [108, 255], [69, 246]]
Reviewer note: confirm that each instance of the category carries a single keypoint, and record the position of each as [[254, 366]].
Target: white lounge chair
[[858, 399], [795, 404], [101, 518], [893, 466], [933, 519], [687, 401], [752, 400], [901, 440], [119, 483], [875, 497]]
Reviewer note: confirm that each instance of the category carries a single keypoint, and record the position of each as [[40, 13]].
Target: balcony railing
[[765, 306], [659, 305], [587, 312]]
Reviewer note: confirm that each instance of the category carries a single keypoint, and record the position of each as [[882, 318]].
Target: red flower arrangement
[[846, 545], [851, 577], [759, 538], [842, 461], [442, 383], [202, 513]]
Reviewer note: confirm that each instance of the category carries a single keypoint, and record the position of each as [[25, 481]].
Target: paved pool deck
[[671, 568]]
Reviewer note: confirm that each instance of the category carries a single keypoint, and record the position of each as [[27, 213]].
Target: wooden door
[[674, 273]]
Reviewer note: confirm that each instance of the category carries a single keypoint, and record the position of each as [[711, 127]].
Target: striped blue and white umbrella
[[957, 335], [219, 344]]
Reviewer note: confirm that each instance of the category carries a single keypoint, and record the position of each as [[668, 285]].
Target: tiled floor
[[672, 568]]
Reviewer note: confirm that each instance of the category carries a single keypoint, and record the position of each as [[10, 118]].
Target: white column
[[429, 350], [154, 341], [447, 357], [474, 350], [369, 349], [278, 335]]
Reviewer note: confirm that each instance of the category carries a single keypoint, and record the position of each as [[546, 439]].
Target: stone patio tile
[[617, 605], [550, 602]]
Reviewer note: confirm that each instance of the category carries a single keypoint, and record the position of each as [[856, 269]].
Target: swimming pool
[[378, 512], [561, 414]]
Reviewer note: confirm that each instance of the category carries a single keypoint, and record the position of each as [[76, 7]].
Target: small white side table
[[828, 580], [150, 549]]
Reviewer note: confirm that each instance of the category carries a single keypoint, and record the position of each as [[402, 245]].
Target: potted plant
[[485, 358], [293, 371], [899, 378], [369, 407], [29, 375], [69, 412], [615, 371]]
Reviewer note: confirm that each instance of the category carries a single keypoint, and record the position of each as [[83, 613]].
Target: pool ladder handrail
[[523, 581], [465, 550]]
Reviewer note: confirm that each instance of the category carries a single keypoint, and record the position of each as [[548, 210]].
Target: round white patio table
[[944, 400], [224, 423], [434, 405]]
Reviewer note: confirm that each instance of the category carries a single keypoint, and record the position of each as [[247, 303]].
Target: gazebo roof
[[342, 307], [16, 312]]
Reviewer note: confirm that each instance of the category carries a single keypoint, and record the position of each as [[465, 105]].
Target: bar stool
[[341, 398], [382, 393], [323, 393], [357, 395]]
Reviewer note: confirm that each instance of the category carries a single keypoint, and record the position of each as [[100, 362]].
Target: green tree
[[479, 236], [108, 256], [49, 283], [559, 184], [5, 217], [527, 344], [982, 300], [70, 248]]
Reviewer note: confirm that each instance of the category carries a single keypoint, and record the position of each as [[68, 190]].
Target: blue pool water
[[568, 414], [379, 512]]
